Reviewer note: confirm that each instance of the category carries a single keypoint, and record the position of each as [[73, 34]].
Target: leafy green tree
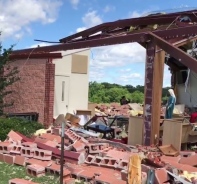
[[8, 76], [116, 93], [137, 97], [130, 88], [140, 88], [96, 92], [107, 93], [164, 100]]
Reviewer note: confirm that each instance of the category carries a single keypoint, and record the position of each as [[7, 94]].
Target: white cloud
[[96, 75], [74, 3], [16, 16], [125, 70], [81, 29], [123, 60], [90, 19], [111, 58], [131, 76], [109, 8], [167, 77], [136, 14], [118, 55]]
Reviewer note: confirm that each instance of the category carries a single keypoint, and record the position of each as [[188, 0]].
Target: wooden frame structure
[[157, 33]]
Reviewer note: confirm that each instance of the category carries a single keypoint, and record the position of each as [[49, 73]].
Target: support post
[[153, 93], [158, 73], [148, 91]]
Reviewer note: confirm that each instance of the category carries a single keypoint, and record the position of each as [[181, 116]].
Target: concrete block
[[35, 170], [9, 159]]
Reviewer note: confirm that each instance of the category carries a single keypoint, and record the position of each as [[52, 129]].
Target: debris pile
[[115, 109], [94, 160], [134, 109]]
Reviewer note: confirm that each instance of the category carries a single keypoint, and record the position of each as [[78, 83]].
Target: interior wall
[[72, 66], [188, 97]]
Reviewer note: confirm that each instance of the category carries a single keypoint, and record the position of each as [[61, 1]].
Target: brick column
[[148, 92], [49, 93]]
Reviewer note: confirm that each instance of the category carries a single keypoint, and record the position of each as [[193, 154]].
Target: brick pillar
[[49, 93], [148, 92]]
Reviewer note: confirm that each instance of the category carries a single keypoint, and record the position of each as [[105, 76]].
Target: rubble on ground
[[131, 109], [91, 159], [115, 109]]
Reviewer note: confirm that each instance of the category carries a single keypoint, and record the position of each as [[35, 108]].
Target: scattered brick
[[1, 157], [20, 181], [56, 131], [78, 146], [39, 162], [42, 154], [124, 175], [14, 136], [51, 143], [85, 176], [161, 176], [123, 164], [40, 140], [5, 147], [191, 160], [16, 150], [27, 152], [100, 161], [55, 169], [29, 144], [35, 170], [20, 160], [98, 147], [109, 162], [9, 159], [90, 159]]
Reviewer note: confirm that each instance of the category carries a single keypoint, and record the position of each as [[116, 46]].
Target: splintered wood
[[134, 171], [73, 119]]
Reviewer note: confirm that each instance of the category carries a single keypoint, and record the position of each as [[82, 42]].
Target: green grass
[[8, 172]]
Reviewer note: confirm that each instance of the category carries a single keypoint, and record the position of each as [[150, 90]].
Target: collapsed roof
[[178, 29]]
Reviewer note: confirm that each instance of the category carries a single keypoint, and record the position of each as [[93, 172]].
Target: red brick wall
[[49, 92], [35, 90]]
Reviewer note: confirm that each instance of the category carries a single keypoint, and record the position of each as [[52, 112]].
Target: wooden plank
[[135, 170], [83, 112], [79, 64], [172, 133], [135, 130], [158, 73], [186, 129], [91, 106]]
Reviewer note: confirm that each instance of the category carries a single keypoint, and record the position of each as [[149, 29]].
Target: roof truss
[[165, 30]]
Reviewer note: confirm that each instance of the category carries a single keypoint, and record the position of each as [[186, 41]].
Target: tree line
[[107, 93]]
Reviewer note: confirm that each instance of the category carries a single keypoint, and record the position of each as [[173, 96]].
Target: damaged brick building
[[159, 34], [49, 83]]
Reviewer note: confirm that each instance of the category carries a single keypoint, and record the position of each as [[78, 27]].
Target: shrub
[[25, 127]]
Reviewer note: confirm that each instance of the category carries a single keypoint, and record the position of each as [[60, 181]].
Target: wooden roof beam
[[177, 53]]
